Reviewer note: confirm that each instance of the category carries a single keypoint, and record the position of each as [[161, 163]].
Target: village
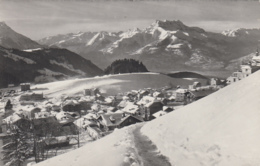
[[71, 121]]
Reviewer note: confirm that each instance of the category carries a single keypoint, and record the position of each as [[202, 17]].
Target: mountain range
[[163, 46]]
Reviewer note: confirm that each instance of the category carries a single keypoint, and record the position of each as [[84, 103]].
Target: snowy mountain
[[11, 39], [163, 46], [42, 65], [221, 130]]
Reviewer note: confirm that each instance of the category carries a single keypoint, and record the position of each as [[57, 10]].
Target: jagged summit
[[175, 25]]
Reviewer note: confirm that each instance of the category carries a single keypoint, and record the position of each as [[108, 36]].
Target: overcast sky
[[41, 18]]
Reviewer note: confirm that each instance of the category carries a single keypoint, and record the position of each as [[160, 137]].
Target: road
[[147, 151]]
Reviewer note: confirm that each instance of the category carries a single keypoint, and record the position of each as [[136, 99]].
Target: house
[[64, 117], [246, 70], [181, 95], [10, 85], [118, 120], [214, 81], [18, 121], [232, 79], [131, 108], [195, 85], [198, 94], [87, 92], [44, 127], [25, 86], [31, 96], [147, 110]]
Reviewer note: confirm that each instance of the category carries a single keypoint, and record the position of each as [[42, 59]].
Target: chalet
[[118, 120], [215, 81], [10, 85], [31, 96], [142, 93], [87, 92], [198, 94], [181, 95], [147, 110], [56, 142], [232, 79], [64, 117], [25, 86], [45, 126], [131, 108], [18, 121]]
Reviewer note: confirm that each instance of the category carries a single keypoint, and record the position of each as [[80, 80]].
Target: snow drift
[[221, 129]]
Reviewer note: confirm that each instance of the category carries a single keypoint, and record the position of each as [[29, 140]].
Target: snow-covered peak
[[241, 32], [130, 33]]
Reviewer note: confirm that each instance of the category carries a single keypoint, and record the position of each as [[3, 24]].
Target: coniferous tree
[[18, 148], [125, 66]]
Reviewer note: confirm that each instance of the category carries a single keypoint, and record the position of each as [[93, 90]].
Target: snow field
[[221, 129]]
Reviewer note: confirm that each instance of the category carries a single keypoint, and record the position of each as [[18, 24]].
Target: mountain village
[[73, 120]]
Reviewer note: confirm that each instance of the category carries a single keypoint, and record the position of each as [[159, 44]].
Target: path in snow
[[147, 151]]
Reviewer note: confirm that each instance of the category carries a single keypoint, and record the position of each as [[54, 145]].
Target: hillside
[[42, 65], [162, 46], [11, 39], [125, 66], [217, 130]]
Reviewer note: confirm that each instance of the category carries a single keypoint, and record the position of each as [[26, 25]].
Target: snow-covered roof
[[181, 90], [131, 108], [159, 113]]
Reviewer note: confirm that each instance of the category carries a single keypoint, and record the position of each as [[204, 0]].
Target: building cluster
[[246, 69], [94, 112]]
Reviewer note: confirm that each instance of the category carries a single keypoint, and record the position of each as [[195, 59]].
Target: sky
[[41, 18]]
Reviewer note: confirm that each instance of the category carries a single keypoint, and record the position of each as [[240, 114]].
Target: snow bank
[[222, 129], [115, 149]]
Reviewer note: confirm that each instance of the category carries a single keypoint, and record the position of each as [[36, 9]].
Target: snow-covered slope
[[221, 129], [11, 39]]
